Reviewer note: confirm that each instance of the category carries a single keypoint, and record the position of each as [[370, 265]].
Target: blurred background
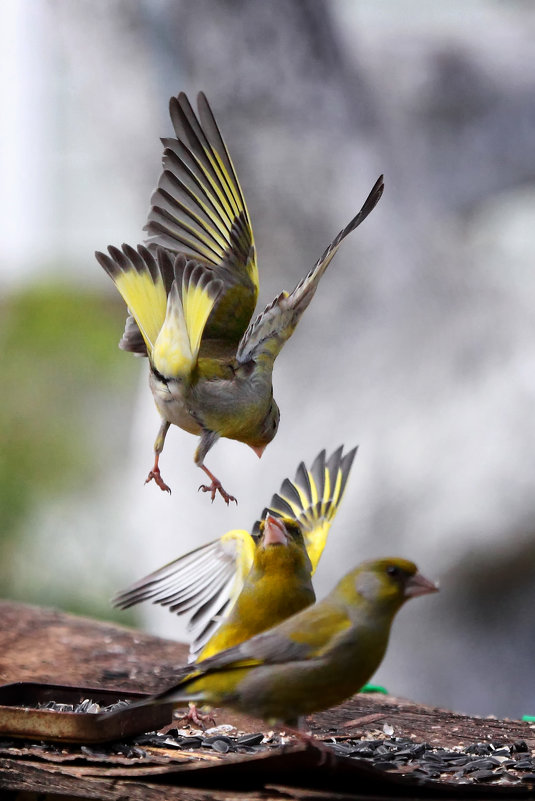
[[419, 345]]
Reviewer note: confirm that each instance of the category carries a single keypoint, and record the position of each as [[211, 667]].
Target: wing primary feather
[[198, 205], [171, 573], [221, 597], [266, 335], [177, 603], [302, 478], [200, 233], [175, 165], [204, 630], [211, 127], [343, 467], [204, 137], [290, 495], [318, 476], [283, 507], [367, 207], [168, 236], [201, 148]]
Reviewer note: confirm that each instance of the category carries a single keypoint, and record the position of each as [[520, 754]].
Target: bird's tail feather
[[191, 299]]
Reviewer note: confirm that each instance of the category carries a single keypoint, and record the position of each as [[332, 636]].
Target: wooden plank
[[48, 645]]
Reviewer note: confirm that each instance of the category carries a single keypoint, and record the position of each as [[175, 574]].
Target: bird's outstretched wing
[[198, 209], [313, 498], [266, 335], [207, 581], [204, 582]]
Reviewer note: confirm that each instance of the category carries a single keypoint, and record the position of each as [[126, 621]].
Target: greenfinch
[[192, 291], [242, 583], [278, 585], [314, 659]]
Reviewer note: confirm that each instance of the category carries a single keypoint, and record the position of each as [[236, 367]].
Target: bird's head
[[281, 542], [385, 583]]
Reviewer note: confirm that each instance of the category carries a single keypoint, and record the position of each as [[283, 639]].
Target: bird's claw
[[216, 487], [198, 718], [155, 474]]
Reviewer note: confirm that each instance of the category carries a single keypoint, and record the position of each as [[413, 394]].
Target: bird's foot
[[155, 474], [216, 487], [193, 716]]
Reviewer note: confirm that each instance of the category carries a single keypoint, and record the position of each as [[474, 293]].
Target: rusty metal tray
[[20, 718]]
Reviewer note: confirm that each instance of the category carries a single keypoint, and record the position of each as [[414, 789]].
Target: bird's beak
[[258, 449], [419, 585], [274, 532]]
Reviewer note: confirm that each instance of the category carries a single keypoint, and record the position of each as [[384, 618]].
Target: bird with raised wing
[[243, 583], [191, 293], [314, 659]]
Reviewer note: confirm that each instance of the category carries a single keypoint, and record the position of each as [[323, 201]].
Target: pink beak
[[258, 449], [419, 585], [274, 532]]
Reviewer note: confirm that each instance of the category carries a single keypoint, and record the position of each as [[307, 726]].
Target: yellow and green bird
[[244, 583], [314, 659], [191, 294]]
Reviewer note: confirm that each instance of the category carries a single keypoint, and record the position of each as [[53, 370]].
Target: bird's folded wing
[[198, 207], [313, 498], [203, 582], [266, 335], [304, 636]]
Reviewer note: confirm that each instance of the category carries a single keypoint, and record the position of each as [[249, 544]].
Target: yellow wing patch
[[172, 354], [314, 496], [146, 300], [243, 547], [177, 347], [328, 624], [197, 304], [323, 510]]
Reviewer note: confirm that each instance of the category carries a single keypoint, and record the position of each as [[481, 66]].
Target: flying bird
[[191, 291]]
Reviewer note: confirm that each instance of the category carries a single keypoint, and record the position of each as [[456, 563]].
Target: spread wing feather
[[313, 498], [198, 206], [206, 580], [266, 335]]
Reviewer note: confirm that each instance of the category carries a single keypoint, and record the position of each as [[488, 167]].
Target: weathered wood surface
[[50, 646], [439, 727]]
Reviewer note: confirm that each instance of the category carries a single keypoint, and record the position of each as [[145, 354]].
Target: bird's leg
[[208, 438], [215, 487], [198, 718], [158, 448]]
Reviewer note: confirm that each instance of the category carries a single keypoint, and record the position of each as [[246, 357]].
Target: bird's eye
[[292, 527], [393, 571]]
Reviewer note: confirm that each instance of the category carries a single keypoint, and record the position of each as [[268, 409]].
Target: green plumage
[[233, 587], [198, 221], [314, 659]]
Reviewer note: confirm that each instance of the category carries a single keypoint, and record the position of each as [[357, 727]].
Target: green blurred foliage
[[61, 370]]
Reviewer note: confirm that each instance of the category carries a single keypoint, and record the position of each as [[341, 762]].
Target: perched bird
[[192, 291], [278, 585], [242, 584], [314, 659]]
